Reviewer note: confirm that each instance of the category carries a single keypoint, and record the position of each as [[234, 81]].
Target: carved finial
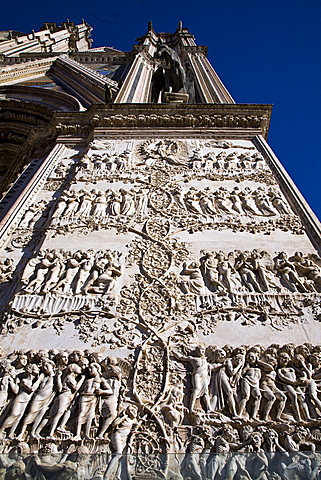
[[180, 26], [150, 26]]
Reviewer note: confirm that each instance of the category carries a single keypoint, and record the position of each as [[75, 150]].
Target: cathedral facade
[[160, 272]]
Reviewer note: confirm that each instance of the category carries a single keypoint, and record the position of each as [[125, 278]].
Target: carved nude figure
[[8, 384], [122, 427], [245, 268], [250, 385], [200, 377], [109, 403], [287, 379], [224, 270], [272, 394]]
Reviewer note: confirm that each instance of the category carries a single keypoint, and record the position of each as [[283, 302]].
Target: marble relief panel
[[136, 240]]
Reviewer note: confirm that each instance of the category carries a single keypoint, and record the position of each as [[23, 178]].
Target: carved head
[[22, 360], [219, 355], [132, 411], [283, 359], [251, 358]]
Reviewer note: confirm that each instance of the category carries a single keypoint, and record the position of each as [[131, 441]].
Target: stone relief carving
[[245, 286], [192, 208], [6, 269], [254, 403], [102, 163], [58, 280]]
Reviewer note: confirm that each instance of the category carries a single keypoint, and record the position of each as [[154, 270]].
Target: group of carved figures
[[253, 271], [136, 201], [248, 453], [64, 272], [246, 201], [227, 162], [85, 203], [278, 384], [98, 164], [73, 393], [64, 394]]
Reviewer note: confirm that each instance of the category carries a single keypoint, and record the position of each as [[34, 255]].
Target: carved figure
[[28, 385], [200, 377], [209, 268], [288, 274], [170, 77], [8, 384], [220, 385], [67, 389], [40, 401], [287, 379], [89, 398], [122, 427], [109, 402], [250, 385], [245, 269], [195, 283]]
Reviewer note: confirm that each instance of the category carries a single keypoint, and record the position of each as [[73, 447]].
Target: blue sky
[[265, 51]]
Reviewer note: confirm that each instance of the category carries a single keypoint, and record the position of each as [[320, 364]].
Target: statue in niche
[[200, 377], [169, 77]]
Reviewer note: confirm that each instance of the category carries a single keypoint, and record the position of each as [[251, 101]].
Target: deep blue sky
[[265, 51]]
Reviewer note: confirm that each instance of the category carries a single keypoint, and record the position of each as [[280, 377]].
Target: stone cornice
[[222, 116], [195, 49]]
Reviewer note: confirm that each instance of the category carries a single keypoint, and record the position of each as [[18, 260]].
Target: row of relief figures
[[108, 303], [251, 209], [170, 156], [96, 272], [166, 389]]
